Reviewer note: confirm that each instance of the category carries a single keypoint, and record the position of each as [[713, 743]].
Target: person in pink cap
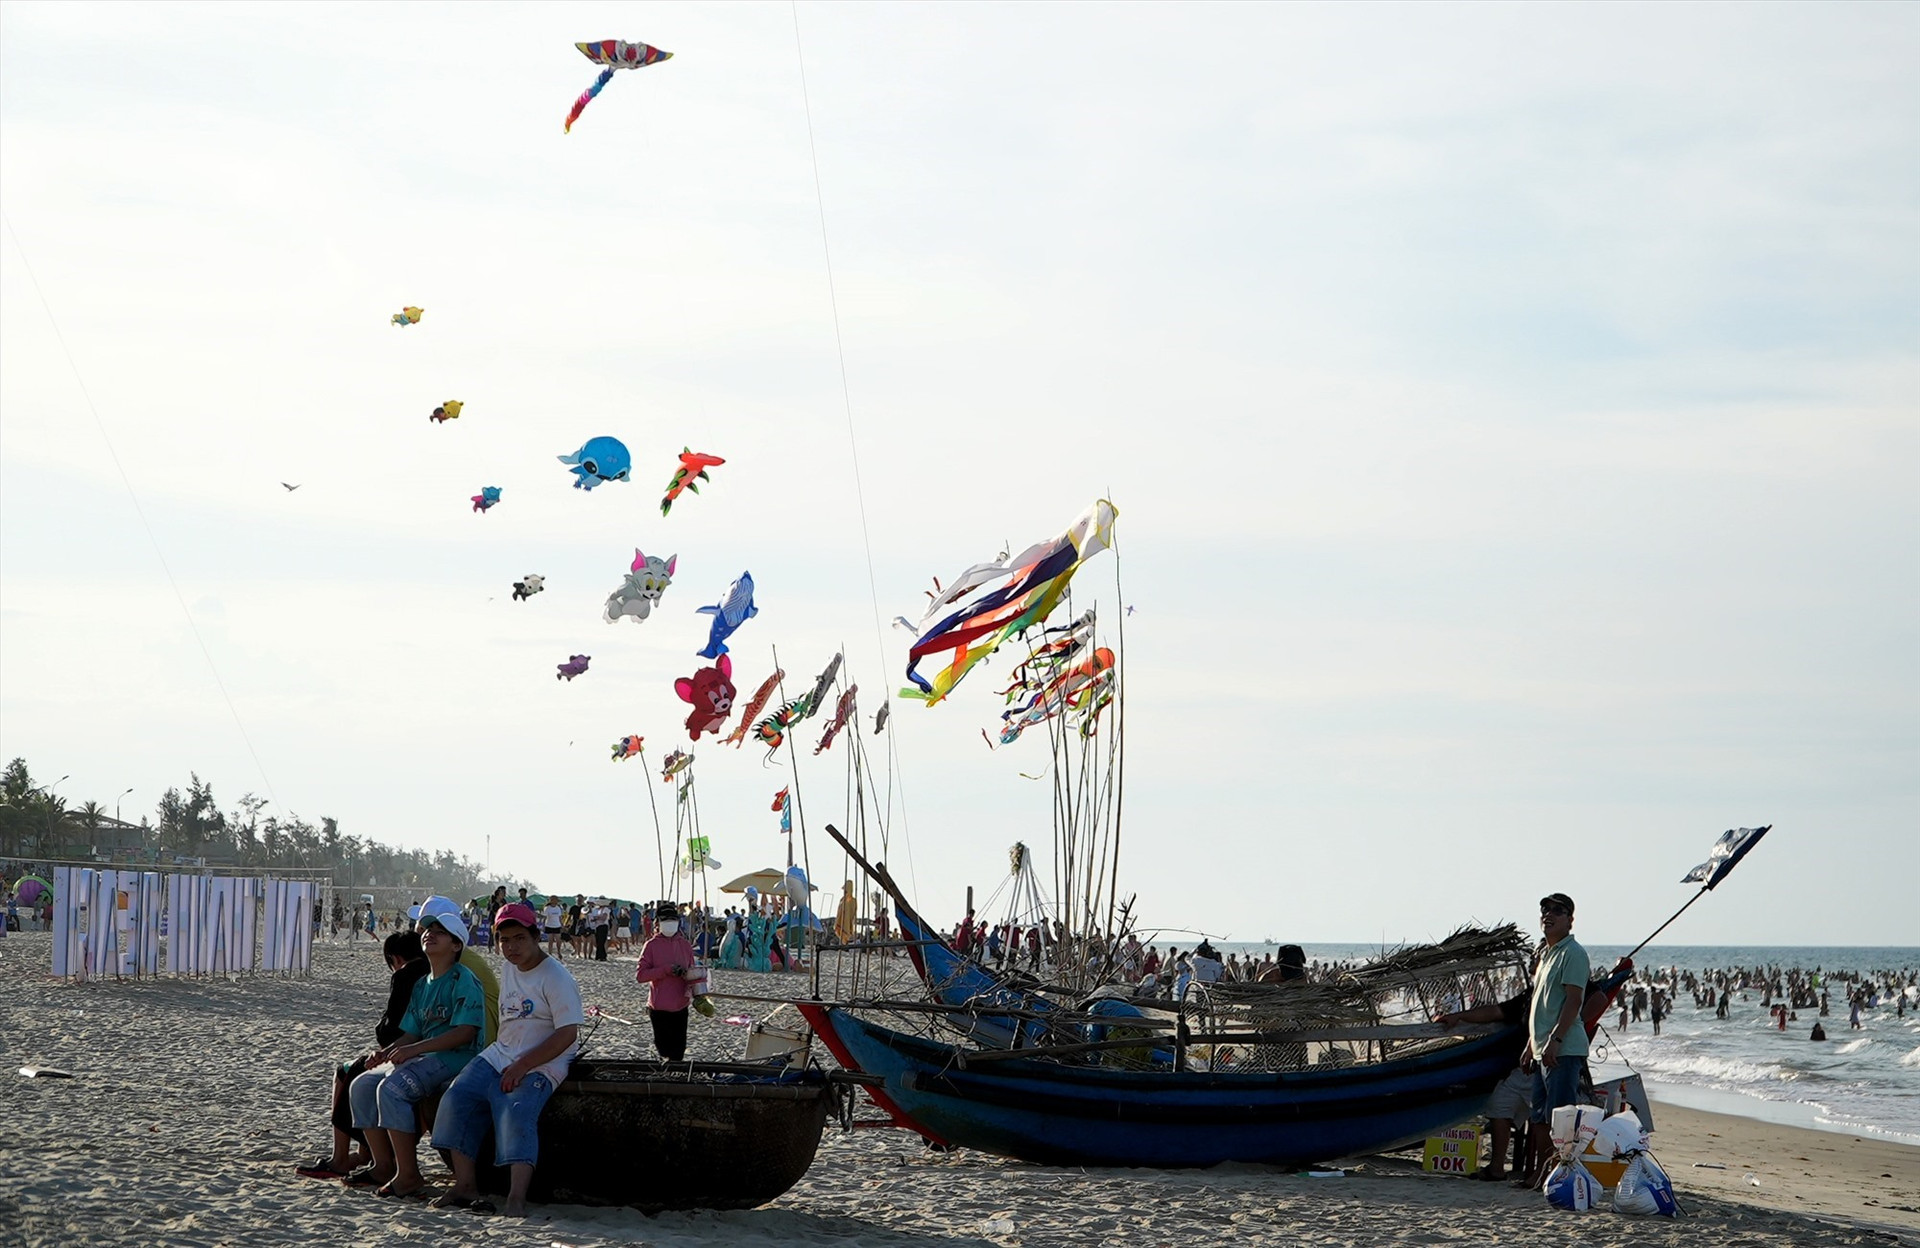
[[508, 1084]]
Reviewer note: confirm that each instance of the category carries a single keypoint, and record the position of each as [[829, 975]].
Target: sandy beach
[[192, 1101]]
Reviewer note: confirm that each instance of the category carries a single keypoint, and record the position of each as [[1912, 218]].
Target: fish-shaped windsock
[[408, 316], [734, 609]]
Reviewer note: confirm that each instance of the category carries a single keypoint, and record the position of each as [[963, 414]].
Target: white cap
[[435, 904], [455, 926]]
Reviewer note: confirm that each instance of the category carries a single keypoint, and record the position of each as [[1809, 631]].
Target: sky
[[1511, 412]]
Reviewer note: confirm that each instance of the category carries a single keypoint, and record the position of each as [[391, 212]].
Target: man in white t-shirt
[[509, 1082]]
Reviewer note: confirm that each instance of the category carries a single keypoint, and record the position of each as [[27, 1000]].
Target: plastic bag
[[1644, 1188], [1575, 1124], [1572, 1186], [1620, 1135]]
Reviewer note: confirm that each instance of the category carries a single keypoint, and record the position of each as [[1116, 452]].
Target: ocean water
[[1864, 1082]]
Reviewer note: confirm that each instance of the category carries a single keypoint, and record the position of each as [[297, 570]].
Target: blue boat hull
[[1054, 1114]]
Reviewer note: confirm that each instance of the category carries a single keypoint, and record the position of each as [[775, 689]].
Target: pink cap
[[515, 912]]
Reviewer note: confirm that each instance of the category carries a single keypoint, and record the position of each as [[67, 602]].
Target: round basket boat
[[675, 1135]]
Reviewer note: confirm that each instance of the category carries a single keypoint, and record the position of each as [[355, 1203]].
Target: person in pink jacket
[[666, 967]]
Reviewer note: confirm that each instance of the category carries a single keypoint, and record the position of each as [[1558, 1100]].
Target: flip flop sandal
[[387, 1190], [321, 1169], [364, 1178], [451, 1201], [482, 1207]]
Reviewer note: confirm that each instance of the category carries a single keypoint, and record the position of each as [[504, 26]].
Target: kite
[[1083, 686], [408, 316], [288, 488], [880, 720], [842, 712], [528, 585], [614, 54], [647, 578], [753, 708], [599, 459], [710, 691], [780, 800], [1027, 589], [626, 747], [675, 763], [734, 609], [772, 730], [574, 666], [450, 410], [693, 467], [818, 698], [486, 498]]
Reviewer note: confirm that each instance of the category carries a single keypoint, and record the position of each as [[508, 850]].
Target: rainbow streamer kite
[[614, 54], [1017, 593]]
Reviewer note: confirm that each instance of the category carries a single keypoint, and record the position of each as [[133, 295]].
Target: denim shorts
[[1559, 1086], [386, 1097], [474, 1102]]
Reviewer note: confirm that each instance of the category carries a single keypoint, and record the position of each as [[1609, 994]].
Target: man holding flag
[[1556, 1041]]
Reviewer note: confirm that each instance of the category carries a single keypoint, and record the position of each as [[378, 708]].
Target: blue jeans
[[474, 1101], [385, 1098], [1559, 1086]]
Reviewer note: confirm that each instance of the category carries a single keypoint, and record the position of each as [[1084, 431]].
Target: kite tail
[[580, 105]]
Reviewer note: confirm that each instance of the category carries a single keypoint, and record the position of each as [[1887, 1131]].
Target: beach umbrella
[[764, 880], [29, 888]]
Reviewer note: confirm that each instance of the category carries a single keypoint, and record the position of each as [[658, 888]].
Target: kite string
[[846, 397], [140, 511]]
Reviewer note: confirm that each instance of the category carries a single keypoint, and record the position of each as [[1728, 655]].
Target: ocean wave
[[1911, 1059], [1854, 1046], [1729, 1072]]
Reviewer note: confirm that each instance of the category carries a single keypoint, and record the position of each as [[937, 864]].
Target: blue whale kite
[[734, 609]]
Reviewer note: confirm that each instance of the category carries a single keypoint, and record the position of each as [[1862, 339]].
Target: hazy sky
[[1511, 410]]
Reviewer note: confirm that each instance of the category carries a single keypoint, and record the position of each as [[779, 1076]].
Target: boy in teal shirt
[[440, 1034]]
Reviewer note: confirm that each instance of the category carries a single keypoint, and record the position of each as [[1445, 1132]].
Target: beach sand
[[193, 1100]]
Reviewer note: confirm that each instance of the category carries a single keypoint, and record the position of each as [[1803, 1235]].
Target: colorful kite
[[1013, 596], [1083, 686], [753, 708], [450, 410], [625, 748], [693, 467], [597, 460], [880, 720], [528, 585], [842, 712], [818, 698], [614, 54], [710, 691], [674, 764], [575, 665], [408, 316], [486, 498], [647, 578], [734, 609], [780, 800], [772, 731]]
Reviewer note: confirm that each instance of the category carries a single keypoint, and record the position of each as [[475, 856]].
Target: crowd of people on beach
[[1784, 992]]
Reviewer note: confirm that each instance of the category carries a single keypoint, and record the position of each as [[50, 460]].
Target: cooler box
[[770, 1039]]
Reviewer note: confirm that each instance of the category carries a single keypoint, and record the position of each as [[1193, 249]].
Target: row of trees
[[37, 823]]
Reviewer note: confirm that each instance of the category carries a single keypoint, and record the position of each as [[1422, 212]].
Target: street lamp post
[[46, 793], [116, 803]]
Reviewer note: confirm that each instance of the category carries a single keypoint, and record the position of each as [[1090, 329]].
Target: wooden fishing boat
[[677, 1135], [1054, 1111]]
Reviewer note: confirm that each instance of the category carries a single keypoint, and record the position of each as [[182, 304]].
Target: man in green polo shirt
[[1556, 1038]]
